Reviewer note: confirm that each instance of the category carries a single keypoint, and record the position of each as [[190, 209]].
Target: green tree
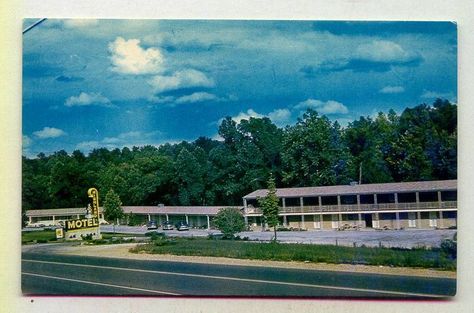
[[313, 153], [113, 207], [229, 221], [270, 207]]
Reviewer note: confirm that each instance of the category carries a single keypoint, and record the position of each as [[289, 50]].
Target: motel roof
[[58, 212], [173, 210], [189, 210], [438, 185]]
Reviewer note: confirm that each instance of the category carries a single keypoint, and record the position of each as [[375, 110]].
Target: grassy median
[[423, 258]]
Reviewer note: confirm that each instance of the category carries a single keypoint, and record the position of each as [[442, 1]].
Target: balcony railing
[[362, 207]]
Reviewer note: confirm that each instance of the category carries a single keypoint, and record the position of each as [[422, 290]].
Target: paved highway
[[49, 274]]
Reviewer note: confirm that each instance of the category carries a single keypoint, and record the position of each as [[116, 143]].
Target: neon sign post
[[88, 226]]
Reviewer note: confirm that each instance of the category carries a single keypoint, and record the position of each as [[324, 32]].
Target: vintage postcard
[[239, 158]]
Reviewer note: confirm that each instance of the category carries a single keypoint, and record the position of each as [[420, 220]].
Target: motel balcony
[[342, 208]]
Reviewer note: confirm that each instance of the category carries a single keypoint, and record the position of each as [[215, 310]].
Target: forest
[[418, 144]]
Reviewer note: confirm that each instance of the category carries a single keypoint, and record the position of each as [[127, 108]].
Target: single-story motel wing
[[423, 205]]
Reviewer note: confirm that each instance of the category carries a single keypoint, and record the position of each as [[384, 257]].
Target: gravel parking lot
[[371, 238]]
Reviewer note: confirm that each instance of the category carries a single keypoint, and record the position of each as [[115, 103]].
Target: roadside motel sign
[[89, 226]]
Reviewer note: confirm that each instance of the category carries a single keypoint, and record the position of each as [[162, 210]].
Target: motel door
[[433, 219], [411, 219], [335, 221], [317, 221]]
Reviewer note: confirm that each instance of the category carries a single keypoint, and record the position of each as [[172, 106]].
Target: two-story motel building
[[423, 205]]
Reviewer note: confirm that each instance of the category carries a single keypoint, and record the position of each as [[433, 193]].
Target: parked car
[[152, 225], [182, 226], [167, 226]]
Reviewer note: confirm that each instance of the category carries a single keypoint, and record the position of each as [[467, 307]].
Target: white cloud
[[49, 132], [75, 23], [280, 116], [88, 145], [328, 107], [383, 51], [197, 97], [392, 89], [180, 79], [26, 141], [434, 95], [85, 99], [129, 58], [246, 116], [128, 139]]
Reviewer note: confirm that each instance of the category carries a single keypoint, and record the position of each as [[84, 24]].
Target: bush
[[229, 221], [449, 248]]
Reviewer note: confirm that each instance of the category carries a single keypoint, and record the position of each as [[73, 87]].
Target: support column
[[149, 217], [339, 203], [358, 202], [321, 221], [245, 203], [208, 222], [339, 219], [320, 203], [441, 219], [246, 220], [397, 216], [417, 197], [30, 220], [377, 218], [167, 218], [375, 199], [78, 216], [187, 219], [440, 204], [418, 219], [285, 222], [301, 203], [360, 219], [54, 218], [302, 221], [283, 202]]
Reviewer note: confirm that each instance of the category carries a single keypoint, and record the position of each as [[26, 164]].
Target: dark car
[[182, 226], [152, 225], [167, 226]]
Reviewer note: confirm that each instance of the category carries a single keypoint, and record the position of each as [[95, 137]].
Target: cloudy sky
[[116, 83]]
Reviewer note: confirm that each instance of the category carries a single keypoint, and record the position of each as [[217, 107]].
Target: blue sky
[[115, 83]]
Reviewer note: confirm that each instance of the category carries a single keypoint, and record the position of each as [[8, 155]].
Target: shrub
[[229, 221]]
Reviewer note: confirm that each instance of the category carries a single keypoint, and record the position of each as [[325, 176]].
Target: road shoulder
[[122, 251]]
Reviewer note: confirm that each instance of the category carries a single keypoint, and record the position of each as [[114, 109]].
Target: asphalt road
[[49, 274]]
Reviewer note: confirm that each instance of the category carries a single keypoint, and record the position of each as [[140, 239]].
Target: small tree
[[113, 207], [229, 221], [270, 207]]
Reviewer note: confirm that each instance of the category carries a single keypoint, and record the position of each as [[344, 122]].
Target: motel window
[[387, 216], [385, 198], [367, 199], [329, 200], [403, 215], [252, 203], [406, 197], [292, 201], [449, 196], [431, 196], [311, 201], [450, 214], [352, 217], [349, 199]]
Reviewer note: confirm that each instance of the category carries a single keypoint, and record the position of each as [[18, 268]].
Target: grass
[[40, 236], [119, 235], [43, 236], [424, 258]]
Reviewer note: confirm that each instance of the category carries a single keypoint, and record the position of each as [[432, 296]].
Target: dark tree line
[[419, 144]]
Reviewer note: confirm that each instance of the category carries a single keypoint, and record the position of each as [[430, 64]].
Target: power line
[[34, 24]]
